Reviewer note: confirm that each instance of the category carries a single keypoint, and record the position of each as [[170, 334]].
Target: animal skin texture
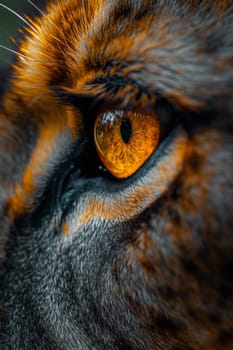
[[116, 178]]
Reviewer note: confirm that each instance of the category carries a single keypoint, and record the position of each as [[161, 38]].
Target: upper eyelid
[[121, 94]]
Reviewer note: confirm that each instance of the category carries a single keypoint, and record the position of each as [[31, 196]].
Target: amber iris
[[125, 140]]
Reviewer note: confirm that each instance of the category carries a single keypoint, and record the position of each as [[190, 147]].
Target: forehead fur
[[130, 48]]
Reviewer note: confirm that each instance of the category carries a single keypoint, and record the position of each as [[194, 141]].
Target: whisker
[[36, 7], [17, 15], [23, 56], [14, 51]]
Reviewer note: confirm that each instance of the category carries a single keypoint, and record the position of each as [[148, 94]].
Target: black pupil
[[126, 130]]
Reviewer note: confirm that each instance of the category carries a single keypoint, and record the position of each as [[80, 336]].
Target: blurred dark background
[[10, 25]]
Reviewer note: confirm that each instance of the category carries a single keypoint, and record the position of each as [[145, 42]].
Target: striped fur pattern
[[89, 262]]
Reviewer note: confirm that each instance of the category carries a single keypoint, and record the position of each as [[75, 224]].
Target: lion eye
[[125, 140]]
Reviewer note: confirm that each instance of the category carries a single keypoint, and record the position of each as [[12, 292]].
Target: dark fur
[[160, 279]]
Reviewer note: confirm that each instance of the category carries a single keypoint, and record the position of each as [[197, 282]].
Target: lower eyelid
[[138, 192]]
